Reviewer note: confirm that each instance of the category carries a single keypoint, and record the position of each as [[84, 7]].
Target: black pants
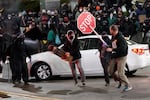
[[105, 62], [1, 45], [19, 70], [18, 62]]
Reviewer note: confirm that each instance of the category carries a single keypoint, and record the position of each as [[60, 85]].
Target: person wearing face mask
[[66, 25], [111, 19], [98, 24], [71, 46], [80, 9], [15, 49]]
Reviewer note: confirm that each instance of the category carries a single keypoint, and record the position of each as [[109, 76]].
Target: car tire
[[128, 72], [42, 71]]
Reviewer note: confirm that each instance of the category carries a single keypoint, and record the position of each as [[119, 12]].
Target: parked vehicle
[[46, 64]]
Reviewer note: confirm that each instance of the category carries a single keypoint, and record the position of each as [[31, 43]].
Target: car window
[[89, 43], [83, 44], [130, 42], [94, 43]]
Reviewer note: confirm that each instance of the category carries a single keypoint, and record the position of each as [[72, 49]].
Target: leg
[[121, 64], [74, 74], [111, 67], [17, 64], [12, 70], [105, 68], [82, 75], [117, 78], [25, 72], [121, 72]]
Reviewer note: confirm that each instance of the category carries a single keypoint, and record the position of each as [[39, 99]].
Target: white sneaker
[[127, 88]]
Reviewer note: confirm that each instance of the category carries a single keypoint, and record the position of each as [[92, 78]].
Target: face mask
[[71, 37], [114, 12], [99, 18], [80, 10], [9, 17]]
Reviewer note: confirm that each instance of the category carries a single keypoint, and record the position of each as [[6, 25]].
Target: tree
[[30, 5], [64, 1]]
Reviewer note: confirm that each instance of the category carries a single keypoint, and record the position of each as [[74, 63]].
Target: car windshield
[[93, 43]]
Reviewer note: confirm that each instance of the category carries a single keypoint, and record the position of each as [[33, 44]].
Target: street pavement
[[64, 89]]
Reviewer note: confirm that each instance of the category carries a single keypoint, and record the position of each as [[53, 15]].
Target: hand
[[67, 54], [109, 49], [114, 44], [54, 48]]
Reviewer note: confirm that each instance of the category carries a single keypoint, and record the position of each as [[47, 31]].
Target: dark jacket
[[72, 48], [122, 47], [104, 55], [102, 49], [11, 26]]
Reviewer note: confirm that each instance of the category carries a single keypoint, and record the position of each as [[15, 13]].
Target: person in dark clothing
[[1, 48], [105, 56], [65, 26], [18, 64], [33, 32], [119, 51], [125, 27], [71, 46], [15, 49]]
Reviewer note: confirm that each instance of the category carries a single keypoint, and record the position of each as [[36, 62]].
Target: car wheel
[[128, 72], [42, 71]]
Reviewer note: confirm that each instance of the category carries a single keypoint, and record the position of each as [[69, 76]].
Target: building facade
[[10, 5], [50, 4]]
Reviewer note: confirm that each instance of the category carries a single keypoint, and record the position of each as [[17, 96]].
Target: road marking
[[28, 95]]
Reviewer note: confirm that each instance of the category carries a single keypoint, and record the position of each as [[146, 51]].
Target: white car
[[46, 64]]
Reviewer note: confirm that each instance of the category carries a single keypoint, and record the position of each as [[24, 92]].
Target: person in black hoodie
[[105, 56], [71, 46], [119, 56]]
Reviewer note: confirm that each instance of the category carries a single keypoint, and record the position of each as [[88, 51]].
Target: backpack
[[57, 40]]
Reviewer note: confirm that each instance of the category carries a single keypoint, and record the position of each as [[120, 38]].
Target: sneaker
[[26, 83], [83, 83], [17, 82], [119, 85], [107, 84], [76, 83], [127, 88]]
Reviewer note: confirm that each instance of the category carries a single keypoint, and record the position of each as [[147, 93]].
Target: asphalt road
[[64, 89]]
